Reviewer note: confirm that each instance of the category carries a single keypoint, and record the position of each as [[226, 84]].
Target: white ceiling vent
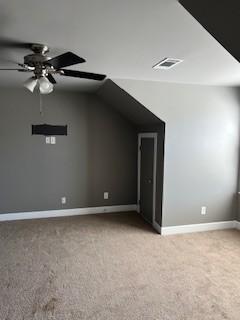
[[167, 63]]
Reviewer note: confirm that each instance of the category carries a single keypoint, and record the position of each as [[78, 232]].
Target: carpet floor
[[115, 267]]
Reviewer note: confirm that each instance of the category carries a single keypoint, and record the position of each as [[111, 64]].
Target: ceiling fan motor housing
[[35, 59], [38, 58]]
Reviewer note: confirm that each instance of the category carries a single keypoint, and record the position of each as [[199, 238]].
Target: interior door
[[146, 178]]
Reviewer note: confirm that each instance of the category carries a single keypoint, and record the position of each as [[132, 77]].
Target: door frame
[[152, 135]]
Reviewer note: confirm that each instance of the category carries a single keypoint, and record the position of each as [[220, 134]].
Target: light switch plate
[[53, 140], [48, 140], [105, 195]]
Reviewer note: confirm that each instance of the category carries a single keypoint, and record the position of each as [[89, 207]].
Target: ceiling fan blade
[[13, 69], [65, 60], [82, 74], [8, 46], [51, 78], [15, 44]]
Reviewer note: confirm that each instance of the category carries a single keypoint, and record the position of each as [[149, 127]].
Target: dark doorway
[[147, 176]]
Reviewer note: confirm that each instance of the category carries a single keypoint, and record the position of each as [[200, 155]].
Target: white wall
[[201, 148]]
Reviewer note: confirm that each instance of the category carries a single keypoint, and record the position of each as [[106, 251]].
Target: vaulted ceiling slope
[[126, 105], [122, 39], [221, 19]]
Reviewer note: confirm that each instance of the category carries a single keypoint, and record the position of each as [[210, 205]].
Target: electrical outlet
[[203, 210], [105, 195], [63, 200], [53, 140], [48, 140]]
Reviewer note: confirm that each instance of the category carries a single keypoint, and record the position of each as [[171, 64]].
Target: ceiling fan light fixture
[[30, 83], [44, 67], [45, 86]]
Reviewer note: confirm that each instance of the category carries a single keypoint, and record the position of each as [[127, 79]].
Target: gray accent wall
[[145, 121], [99, 154], [201, 148]]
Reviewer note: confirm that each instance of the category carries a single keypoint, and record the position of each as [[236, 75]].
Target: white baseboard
[[65, 212], [199, 227], [237, 225], [122, 208]]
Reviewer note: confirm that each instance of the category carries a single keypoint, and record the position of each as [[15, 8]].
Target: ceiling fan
[[44, 67]]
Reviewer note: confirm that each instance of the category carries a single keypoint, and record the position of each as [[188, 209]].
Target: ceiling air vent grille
[[167, 63]]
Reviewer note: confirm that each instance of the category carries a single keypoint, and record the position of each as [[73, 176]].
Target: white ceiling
[[122, 39]]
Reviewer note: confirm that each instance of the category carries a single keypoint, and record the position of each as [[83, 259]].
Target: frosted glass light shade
[[45, 86], [30, 83]]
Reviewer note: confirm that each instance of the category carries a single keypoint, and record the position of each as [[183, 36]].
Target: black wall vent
[[49, 130]]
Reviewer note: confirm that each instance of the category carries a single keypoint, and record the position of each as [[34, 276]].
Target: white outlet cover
[[105, 195], [203, 210], [48, 140], [63, 200], [53, 140]]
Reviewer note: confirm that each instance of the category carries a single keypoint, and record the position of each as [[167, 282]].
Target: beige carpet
[[116, 267]]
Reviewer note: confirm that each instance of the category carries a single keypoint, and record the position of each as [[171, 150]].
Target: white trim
[[152, 135], [237, 225], [199, 227], [157, 227], [65, 212]]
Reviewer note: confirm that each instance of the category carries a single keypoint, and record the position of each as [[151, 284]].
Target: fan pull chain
[[40, 104]]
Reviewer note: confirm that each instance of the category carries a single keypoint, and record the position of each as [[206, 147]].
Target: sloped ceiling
[[123, 39], [220, 18], [126, 105]]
